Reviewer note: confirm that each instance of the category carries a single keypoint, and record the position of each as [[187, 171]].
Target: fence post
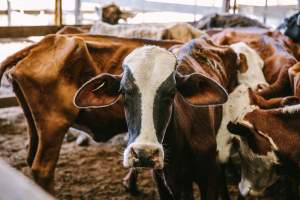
[[78, 17], [58, 12]]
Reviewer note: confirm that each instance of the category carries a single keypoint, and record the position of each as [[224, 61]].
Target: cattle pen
[[149, 99]]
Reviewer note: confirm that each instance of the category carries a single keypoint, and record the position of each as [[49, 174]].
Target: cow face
[[293, 27], [148, 86], [258, 171]]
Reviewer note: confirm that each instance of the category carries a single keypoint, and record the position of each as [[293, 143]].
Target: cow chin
[[144, 155]]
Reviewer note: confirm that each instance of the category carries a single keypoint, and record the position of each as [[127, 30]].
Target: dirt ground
[[89, 172], [93, 172]]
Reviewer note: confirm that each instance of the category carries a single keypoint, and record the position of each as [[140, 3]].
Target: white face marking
[[150, 67], [257, 170], [238, 104], [254, 75]]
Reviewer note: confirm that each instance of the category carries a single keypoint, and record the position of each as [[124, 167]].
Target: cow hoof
[[82, 140]]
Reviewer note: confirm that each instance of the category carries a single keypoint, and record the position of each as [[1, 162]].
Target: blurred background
[[32, 12]]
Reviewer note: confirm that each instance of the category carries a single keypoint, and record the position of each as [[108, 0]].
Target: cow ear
[[243, 65], [240, 129], [199, 90], [101, 91]]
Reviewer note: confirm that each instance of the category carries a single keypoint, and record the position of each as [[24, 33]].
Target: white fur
[[150, 66], [291, 109], [238, 104], [266, 162]]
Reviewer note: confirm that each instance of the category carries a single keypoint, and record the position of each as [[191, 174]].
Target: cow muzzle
[[144, 156], [246, 190]]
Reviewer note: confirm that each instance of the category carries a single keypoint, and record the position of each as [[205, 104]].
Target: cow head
[[292, 27], [148, 86], [258, 167]]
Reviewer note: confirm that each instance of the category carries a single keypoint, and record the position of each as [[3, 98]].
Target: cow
[[291, 27], [45, 78], [249, 76], [277, 56], [216, 20], [172, 110], [294, 99], [269, 149], [179, 31], [111, 14]]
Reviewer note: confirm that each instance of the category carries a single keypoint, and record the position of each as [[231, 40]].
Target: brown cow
[[277, 56], [161, 101], [112, 14], [45, 77]]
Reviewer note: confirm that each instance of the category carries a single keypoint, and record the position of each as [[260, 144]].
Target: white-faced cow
[[250, 75], [167, 103]]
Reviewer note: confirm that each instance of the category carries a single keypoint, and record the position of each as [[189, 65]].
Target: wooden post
[[58, 12], [226, 6]]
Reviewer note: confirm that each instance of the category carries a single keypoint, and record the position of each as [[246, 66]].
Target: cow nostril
[[155, 153]]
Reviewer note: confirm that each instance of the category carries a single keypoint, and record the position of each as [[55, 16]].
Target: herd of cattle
[[190, 106]]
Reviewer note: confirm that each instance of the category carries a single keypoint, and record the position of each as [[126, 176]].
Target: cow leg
[[165, 192], [130, 181], [33, 144], [51, 134], [33, 137], [175, 186], [224, 189], [209, 182]]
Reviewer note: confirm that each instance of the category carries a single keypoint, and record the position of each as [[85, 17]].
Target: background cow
[[291, 27], [277, 57], [216, 20]]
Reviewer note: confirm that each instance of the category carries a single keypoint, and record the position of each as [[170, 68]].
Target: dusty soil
[[91, 172]]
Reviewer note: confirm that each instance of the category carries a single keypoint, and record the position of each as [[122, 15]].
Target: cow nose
[[148, 157]]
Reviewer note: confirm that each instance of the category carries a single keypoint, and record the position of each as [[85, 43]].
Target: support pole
[[234, 7], [226, 6], [8, 13], [78, 17], [58, 12], [265, 12]]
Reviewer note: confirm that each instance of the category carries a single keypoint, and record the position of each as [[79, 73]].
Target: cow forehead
[[150, 65]]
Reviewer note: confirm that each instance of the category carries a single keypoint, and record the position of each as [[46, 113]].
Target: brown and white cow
[[250, 75], [269, 149], [45, 78], [167, 107], [277, 55], [270, 139]]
